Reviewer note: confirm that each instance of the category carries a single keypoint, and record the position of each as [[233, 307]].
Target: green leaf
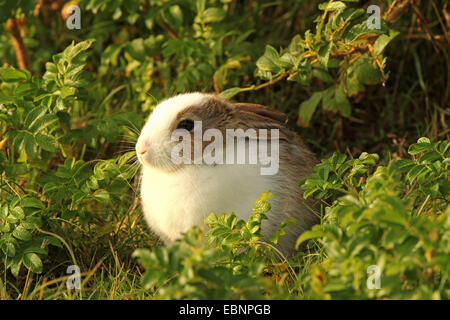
[[269, 61], [423, 140], [382, 41], [33, 262], [333, 6], [34, 246], [111, 53], [261, 206], [342, 102], [415, 172], [213, 15], [8, 248], [211, 219], [46, 142], [288, 60], [322, 75], [324, 54], [173, 15], [328, 101], [25, 89], [430, 157], [354, 32], [16, 263], [353, 85], [17, 212], [308, 235], [32, 118], [67, 91], [4, 212], [30, 145], [109, 129], [308, 107], [229, 93], [75, 49], [14, 75], [136, 49], [101, 195], [21, 233], [367, 73], [444, 146], [420, 147]]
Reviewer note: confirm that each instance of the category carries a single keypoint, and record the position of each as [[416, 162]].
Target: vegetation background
[[373, 103]]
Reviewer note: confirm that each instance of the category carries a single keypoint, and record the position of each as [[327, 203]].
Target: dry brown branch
[[396, 9], [446, 13], [14, 27], [441, 22]]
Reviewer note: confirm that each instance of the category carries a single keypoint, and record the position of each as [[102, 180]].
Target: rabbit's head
[[191, 116]]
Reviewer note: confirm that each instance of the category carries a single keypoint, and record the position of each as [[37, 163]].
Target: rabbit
[[178, 196]]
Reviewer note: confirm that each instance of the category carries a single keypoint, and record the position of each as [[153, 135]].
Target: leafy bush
[[396, 217], [34, 114], [382, 216]]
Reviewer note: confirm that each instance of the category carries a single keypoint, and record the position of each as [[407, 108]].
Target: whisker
[[133, 128], [152, 96], [127, 141], [130, 137]]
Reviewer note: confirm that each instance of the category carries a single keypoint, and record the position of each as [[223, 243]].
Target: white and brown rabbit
[[179, 195]]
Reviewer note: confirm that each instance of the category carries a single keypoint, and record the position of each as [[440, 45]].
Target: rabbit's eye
[[187, 124]]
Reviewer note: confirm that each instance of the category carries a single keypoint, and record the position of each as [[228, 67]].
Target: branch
[[14, 27], [396, 10], [266, 84]]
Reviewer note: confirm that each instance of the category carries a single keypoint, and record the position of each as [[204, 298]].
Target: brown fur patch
[[216, 113]]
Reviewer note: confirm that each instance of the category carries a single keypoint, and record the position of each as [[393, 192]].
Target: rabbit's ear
[[263, 111]]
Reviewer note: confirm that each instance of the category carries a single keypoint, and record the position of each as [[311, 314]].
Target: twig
[[396, 10], [23, 59], [269, 83], [215, 85], [427, 30], [438, 38], [172, 34], [447, 37]]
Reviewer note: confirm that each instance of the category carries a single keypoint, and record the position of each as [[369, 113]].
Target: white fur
[[175, 201], [156, 130]]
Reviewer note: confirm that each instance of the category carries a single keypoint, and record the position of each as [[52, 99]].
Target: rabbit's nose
[[143, 149]]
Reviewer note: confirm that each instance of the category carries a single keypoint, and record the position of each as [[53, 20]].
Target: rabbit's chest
[[174, 202]]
